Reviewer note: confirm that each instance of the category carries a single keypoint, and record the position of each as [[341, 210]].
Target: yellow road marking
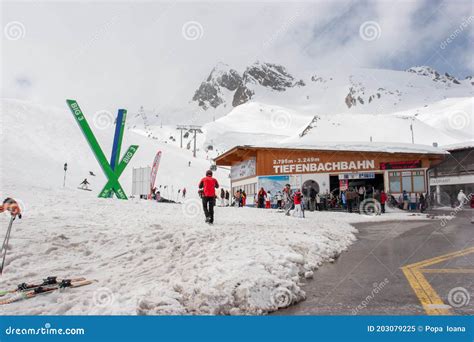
[[447, 270], [429, 299]]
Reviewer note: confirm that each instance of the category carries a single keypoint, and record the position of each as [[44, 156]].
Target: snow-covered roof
[[358, 147], [459, 146]]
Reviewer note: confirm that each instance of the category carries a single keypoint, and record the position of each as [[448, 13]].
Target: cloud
[[127, 54]]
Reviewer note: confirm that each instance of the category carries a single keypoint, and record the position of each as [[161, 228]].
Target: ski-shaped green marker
[[113, 183], [108, 188]]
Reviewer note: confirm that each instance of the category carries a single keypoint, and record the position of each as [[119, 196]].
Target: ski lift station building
[[392, 167]]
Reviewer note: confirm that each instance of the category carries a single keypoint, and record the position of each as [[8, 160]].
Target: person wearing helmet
[[208, 186]]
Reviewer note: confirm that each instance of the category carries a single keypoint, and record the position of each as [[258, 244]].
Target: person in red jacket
[[383, 200], [208, 186], [297, 199]]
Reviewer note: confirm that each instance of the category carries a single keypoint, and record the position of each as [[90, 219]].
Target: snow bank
[[151, 258]]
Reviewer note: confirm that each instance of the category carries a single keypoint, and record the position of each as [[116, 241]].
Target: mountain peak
[[428, 71]]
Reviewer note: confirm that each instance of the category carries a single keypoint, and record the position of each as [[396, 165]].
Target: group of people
[[294, 203]]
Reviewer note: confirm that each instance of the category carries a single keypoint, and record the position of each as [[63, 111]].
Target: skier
[[9, 204], [297, 198], [184, 193], [208, 185], [227, 198], [84, 185], [462, 198], [189, 163]]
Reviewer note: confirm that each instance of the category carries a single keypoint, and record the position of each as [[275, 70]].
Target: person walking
[[383, 200], [243, 198], [208, 185], [297, 199], [184, 193]]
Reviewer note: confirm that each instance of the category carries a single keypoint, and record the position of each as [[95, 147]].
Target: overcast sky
[[132, 53]]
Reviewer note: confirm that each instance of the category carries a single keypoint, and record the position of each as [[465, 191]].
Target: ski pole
[[8, 233], [5, 243]]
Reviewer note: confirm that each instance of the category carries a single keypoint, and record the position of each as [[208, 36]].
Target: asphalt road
[[368, 278]]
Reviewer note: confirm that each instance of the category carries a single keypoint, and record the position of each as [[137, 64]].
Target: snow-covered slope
[[38, 140]]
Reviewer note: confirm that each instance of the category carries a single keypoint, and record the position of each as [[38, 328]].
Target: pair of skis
[[48, 285]]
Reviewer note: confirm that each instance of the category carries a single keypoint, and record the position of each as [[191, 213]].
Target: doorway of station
[[376, 183], [308, 185]]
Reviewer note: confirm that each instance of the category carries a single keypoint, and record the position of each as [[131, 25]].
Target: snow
[[153, 258], [459, 146], [364, 147], [38, 140]]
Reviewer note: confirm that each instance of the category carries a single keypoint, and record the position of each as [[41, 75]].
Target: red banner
[[406, 164], [154, 171]]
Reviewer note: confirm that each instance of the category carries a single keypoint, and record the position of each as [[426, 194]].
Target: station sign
[[399, 165]]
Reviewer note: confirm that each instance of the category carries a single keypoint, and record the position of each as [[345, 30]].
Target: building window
[[418, 181], [406, 181], [409, 181]]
